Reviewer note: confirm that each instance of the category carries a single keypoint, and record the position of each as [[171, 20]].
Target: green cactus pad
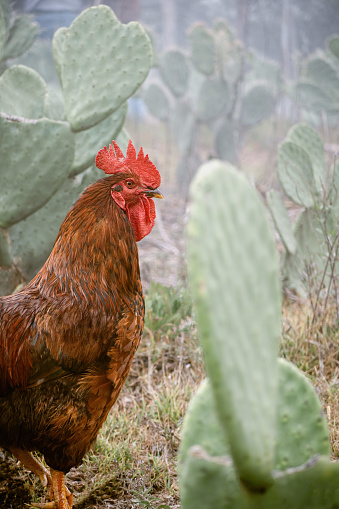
[[229, 52], [157, 102], [5, 256], [54, 108], [235, 287], [10, 278], [333, 45], [33, 238], [225, 142], [320, 72], [175, 71], [308, 139], [208, 479], [263, 69], [38, 155], [22, 92], [183, 124], [281, 220], [203, 49], [213, 99], [88, 142], [2, 32], [312, 97], [308, 263], [295, 172], [258, 102], [21, 36], [103, 63], [58, 44]]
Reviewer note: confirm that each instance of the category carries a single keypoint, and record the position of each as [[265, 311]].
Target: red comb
[[113, 161]]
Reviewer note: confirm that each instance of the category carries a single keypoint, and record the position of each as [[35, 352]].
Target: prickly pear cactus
[[214, 87], [254, 435], [17, 33], [208, 475], [226, 301], [48, 139], [114, 58], [305, 180], [317, 90]]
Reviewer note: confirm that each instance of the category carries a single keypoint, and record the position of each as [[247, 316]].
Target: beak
[[154, 193]]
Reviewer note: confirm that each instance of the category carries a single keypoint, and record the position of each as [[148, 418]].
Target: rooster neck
[[95, 251]]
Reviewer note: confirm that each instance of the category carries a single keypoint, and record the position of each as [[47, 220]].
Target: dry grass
[[313, 346], [133, 464]]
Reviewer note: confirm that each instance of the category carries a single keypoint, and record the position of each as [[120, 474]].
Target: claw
[[60, 497], [61, 494], [46, 505]]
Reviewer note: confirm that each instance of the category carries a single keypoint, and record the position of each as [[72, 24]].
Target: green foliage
[[174, 70], [318, 86], [157, 102], [254, 435], [113, 57], [48, 136], [258, 103], [22, 92], [310, 263], [36, 157], [281, 220], [166, 307], [17, 33], [245, 401], [203, 49], [211, 86]]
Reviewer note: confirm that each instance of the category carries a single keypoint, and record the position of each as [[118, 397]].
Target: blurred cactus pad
[[318, 85], [49, 140], [310, 260], [17, 33], [216, 84], [254, 435]]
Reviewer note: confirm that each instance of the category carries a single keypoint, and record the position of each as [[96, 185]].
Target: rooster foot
[[59, 495]]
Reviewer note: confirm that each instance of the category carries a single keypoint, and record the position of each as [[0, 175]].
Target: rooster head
[[138, 185]]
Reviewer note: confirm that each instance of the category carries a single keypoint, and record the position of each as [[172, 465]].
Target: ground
[[133, 463]]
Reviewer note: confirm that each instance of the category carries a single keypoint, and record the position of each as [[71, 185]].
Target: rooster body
[[68, 338]]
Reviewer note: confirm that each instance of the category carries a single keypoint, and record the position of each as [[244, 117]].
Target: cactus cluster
[[254, 435], [48, 142], [312, 243], [211, 85], [17, 33], [318, 87]]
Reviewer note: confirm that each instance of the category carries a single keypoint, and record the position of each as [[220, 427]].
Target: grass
[[313, 346], [134, 460], [133, 463]]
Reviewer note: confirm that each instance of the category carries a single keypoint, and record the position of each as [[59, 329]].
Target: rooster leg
[[62, 495], [28, 460]]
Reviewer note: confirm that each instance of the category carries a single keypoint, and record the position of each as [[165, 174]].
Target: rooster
[[68, 338]]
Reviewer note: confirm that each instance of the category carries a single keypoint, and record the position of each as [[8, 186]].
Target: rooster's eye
[[129, 183]]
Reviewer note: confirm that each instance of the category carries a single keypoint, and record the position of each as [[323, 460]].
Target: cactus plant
[[254, 435], [113, 78], [318, 86], [303, 176], [210, 85], [17, 33], [48, 139]]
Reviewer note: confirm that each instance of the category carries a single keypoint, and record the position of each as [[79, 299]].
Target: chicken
[[68, 338]]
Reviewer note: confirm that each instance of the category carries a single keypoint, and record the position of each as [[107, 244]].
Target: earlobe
[[118, 198]]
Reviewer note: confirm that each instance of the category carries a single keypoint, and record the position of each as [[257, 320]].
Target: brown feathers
[[68, 338]]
